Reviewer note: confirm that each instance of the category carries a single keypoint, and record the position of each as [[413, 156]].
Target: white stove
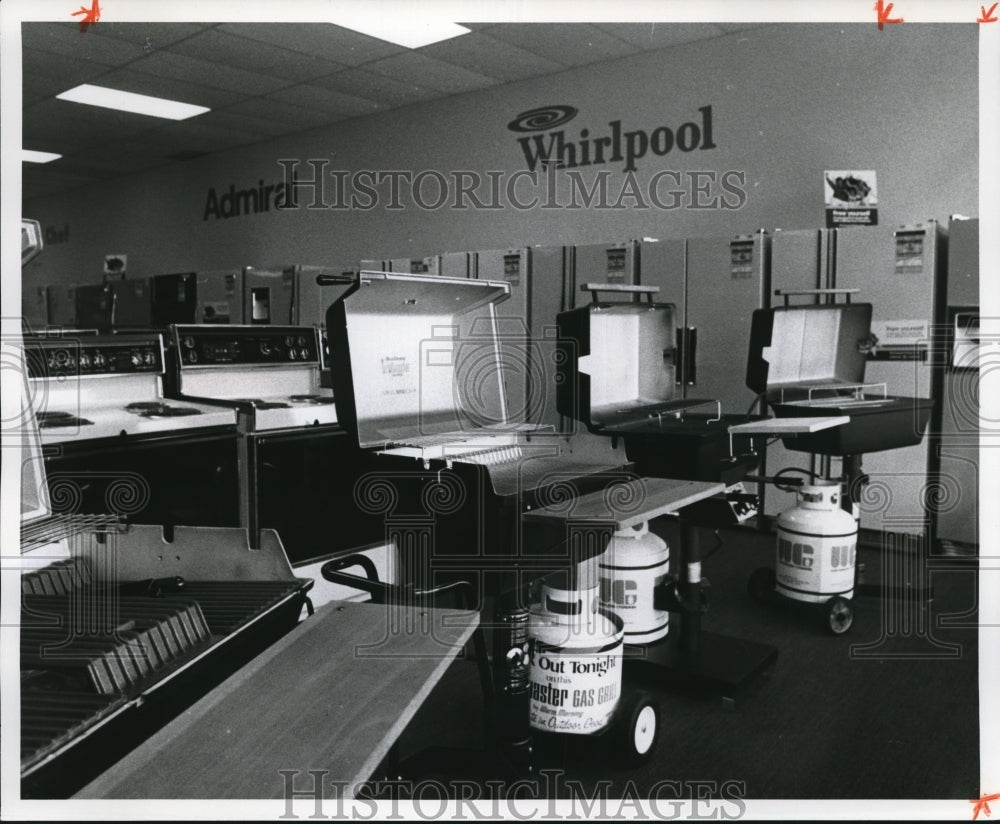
[[95, 387], [269, 374]]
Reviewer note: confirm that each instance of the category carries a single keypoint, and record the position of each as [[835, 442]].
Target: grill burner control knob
[[289, 341], [265, 348], [303, 353], [192, 357], [188, 342], [84, 360], [99, 359], [301, 341], [150, 357], [291, 354], [136, 357]]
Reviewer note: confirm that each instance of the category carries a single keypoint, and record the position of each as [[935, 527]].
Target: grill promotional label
[[573, 691]]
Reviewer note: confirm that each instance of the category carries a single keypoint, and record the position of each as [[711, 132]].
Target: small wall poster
[[851, 197]]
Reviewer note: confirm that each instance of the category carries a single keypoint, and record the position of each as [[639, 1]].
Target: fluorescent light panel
[[31, 156], [405, 32], [130, 102]]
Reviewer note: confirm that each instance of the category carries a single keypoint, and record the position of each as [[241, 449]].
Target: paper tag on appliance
[[902, 332]]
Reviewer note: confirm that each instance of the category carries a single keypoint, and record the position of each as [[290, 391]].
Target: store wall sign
[[614, 145], [233, 202]]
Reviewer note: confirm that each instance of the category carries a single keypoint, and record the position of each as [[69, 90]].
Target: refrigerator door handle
[[687, 355]]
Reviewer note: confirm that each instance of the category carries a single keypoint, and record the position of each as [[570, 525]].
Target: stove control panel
[[229, 346], [62, 357]]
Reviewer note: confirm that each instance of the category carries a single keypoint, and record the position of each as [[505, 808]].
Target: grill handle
[[626, 288], [687, 355], [335, 280], [831, 293]]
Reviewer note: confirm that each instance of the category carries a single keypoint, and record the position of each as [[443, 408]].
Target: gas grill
[[809, 361], [419, 381], [130, 626]]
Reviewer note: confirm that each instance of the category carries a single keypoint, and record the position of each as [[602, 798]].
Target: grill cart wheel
[[636, 728], [840, 615], [761, 585]]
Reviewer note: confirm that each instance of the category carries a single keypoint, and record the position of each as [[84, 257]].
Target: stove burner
[[50, 420], [315, 399], [259, 404], [158, 409]]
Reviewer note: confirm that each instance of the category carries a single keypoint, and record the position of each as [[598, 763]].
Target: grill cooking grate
[[89, 650]]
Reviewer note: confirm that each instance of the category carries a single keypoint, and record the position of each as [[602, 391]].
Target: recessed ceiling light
[[31, 156], [130, 102], [406, 31]]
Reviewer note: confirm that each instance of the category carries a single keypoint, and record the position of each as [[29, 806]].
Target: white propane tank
[[576, 661], [635, 562], [817, 545]]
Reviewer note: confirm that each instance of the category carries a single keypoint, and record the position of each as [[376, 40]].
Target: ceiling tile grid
[[268, 80]]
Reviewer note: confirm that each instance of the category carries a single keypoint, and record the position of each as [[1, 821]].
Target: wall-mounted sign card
[[851, 197]]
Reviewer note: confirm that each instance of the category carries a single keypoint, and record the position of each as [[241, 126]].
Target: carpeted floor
[[887, 710]]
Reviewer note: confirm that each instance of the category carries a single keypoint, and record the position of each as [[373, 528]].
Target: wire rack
[[43, 531]]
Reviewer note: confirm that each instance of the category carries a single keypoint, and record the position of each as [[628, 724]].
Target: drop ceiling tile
[[66, 39], [233, 121], [322, 40], [647, 36], [128, 80], [67, 70], [572, 44], [206, 73], [74, 124], [328, 100], [377, 87], [435, 74], [52, 179], [103, 163], [297, 118], [255, 55], [491, 58], [159, 34]]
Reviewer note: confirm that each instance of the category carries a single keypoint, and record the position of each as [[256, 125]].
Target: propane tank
[[575, 649], [817, 545], [635, 562]]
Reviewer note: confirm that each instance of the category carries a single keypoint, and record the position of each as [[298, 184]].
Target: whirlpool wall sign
[[614, 146]]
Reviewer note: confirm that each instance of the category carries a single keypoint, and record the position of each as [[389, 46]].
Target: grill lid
[[415, 356], [803, 346], [617, 360]]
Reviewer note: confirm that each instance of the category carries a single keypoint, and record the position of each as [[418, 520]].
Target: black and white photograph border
[[555, 125]]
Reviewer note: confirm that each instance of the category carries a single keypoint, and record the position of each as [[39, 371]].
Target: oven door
[[166, 479]]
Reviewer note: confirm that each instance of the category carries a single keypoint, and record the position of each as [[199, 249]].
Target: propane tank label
[[629, 594], [574, 691], [815, 566]]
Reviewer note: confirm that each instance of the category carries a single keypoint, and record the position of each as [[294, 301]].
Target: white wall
[[788, 101]]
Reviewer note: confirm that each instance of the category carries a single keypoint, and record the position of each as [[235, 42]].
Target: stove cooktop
[[159, 409], [84, 420]]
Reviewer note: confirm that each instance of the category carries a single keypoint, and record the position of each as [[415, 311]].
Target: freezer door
[[267, 295], [457, 264], [602, 263], [727, 280], [220, 296], [901, 273], [663, 263]]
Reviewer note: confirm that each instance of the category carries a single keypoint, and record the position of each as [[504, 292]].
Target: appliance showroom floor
[[887, 710]]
